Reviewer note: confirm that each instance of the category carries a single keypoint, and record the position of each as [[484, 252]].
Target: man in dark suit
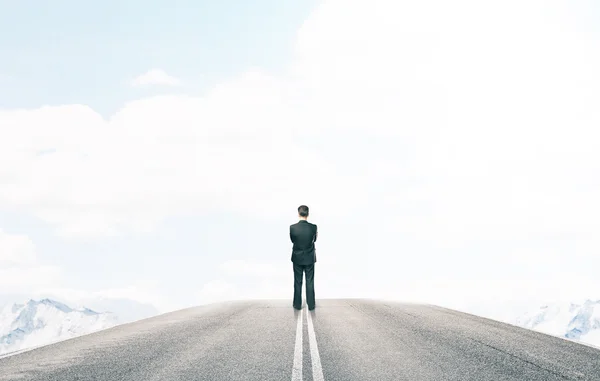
[[303, 235]]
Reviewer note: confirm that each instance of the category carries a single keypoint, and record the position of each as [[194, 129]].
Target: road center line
[[314, 350], [297, 369]]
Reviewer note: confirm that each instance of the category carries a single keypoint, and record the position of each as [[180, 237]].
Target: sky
[[449, 153]]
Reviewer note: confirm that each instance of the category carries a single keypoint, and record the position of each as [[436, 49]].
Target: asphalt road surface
[[343, 340]]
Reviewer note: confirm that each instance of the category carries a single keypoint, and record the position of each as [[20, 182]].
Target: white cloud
[[217, 291], [138, 292], [163, 156], [242, 267], [143, 292], [20, 270], [16, 249], [445, 127], [25, 279], [242, 279], [155, 77], [496, 126], [23, 275]]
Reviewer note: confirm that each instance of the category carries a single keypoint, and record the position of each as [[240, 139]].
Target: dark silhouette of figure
[[303, 235]]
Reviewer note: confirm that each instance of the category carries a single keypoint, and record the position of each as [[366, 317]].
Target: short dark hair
[[303, 211]]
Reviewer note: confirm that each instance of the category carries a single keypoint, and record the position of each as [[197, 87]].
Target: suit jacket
[[303, 235]]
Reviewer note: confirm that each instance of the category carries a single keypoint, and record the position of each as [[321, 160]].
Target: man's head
[[303, 212]]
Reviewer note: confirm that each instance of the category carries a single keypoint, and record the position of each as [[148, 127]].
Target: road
[[350, 339]]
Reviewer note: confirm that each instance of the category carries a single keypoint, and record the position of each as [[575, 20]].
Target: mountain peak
[[577, 321], [32, 303], [24, 325]]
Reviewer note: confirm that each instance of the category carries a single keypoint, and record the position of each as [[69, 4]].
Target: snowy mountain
[[580, 322], [46, 321]]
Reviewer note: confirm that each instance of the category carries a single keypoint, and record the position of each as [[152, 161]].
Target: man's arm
[[291, 236], [316, 234]]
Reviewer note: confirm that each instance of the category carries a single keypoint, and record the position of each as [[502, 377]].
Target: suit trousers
[[299, 271]]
